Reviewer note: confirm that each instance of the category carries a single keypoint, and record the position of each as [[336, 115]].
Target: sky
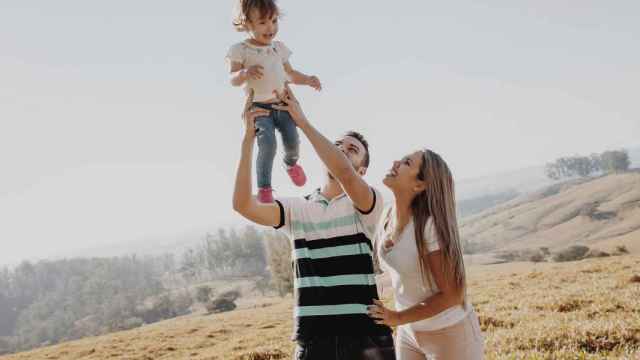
[[118, 123]]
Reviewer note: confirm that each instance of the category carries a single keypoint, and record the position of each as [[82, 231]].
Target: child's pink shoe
[[297, 175], [265, 195]]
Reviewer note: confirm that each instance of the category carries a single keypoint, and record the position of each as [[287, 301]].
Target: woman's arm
[[448, 296]]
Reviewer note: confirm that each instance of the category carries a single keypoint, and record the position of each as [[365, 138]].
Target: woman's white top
[[272, 59], [401, 262]]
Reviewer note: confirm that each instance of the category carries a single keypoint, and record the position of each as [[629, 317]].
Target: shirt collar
[[317, 196]]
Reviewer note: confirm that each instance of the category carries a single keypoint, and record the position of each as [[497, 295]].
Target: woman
[[419, 246]]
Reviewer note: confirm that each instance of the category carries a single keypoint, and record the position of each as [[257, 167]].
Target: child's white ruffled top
[[272, 58]]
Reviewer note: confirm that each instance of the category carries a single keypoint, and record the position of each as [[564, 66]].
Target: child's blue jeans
[[267, 144]]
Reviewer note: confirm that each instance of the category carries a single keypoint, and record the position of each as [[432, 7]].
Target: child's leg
[[290, 137], [267, 145]]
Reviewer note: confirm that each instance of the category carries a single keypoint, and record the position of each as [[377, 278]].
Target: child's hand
[[254, 72], [314, 82]]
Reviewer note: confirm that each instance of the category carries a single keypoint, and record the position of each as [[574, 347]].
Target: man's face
[[354, 151]]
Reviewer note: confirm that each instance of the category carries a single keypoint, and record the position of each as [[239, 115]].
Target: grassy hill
[[588, 310], [601, 213]]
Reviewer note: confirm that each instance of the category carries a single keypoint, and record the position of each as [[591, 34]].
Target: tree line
[[48, 302], [608, 162]]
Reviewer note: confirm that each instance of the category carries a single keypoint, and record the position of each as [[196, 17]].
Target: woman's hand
[[291, 105], [249, 116], [382, 315]]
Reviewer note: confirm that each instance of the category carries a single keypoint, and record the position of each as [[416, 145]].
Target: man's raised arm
[[243, 201], [339, 166]]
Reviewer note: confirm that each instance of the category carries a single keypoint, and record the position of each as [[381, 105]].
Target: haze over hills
[[522, 181], [603, 213]]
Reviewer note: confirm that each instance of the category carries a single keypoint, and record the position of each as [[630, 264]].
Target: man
[[332, 232]]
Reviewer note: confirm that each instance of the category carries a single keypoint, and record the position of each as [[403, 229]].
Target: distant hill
[[520, 181], [602, 213]]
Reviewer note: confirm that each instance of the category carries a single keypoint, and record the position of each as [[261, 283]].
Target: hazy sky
[[117, 122]]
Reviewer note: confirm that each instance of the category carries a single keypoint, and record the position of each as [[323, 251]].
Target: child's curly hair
[[266, 9]]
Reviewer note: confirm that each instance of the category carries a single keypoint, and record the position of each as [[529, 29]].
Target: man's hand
[[314, 82], [291, 105], [249, 116]]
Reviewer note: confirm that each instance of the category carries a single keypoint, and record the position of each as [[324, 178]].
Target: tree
[[253, 256], [553, 172], [596, 163], [189, 265], [584, 166], [615, 161], [264, 284], [233, 253], [168, 263], [279, 260]]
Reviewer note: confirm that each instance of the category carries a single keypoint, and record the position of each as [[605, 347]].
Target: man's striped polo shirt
[[333, 267]]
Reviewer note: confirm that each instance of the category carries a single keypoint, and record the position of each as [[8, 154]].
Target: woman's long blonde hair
[[437, 201]]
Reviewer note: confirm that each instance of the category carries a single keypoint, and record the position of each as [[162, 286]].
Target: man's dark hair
[[363, 141]]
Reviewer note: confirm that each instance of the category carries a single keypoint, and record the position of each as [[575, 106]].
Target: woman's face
[[403, 175]]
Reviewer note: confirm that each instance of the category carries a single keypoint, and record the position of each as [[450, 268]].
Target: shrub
[[537, 257], [220, 305], [595, 253], [181, 303], [263, 284], [203, 294], [621, 249], [231, 295], [131, 323], [572, 253]]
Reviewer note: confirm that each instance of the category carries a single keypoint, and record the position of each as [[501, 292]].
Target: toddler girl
[[261, 65]]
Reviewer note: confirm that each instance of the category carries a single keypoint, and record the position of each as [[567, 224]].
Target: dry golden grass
[[580, 310]]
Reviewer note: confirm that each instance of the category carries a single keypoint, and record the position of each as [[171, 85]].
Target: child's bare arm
[[299, 78], [239, 75]]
